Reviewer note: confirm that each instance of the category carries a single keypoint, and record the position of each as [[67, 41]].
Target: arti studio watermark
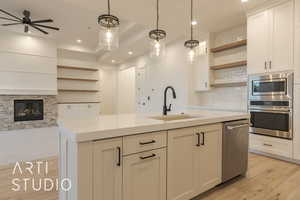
[[29, 171]]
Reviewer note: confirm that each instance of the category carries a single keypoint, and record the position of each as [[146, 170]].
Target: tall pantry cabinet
[[297, 83]]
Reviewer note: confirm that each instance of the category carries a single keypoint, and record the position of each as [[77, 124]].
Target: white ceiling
[[78, 20]]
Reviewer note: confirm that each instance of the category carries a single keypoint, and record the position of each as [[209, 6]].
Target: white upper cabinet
[[281, 50], [257, 49], [270, 39]]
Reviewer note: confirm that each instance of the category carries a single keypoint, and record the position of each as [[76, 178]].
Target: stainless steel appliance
[[235, 149], [271, 104]]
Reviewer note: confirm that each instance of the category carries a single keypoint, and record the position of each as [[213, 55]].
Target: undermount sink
[[173, 117]]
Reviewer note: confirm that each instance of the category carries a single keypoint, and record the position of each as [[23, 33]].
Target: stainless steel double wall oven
[[271, 104]]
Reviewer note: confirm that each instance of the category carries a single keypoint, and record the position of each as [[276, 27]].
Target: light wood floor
[[267, 179]]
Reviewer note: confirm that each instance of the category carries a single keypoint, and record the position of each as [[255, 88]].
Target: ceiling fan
[[26, 20]]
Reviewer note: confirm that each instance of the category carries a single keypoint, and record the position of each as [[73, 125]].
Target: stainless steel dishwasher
[[235, 149]]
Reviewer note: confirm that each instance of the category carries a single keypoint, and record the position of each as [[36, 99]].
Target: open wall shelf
[[77, 79], [78, 102], [77, 68], [229, 65], [75, 90], [229, 84], [229, 46]]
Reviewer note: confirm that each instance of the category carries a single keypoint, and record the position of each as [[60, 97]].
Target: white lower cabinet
[[194, 161], [184, 166], [107, 170], [271, 145], [144, 176], [209, 170]]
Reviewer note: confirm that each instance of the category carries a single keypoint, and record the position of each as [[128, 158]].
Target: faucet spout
[[165, 108]]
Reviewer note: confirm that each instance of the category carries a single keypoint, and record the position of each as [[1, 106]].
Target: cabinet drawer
[[276, 146], [144, 142]]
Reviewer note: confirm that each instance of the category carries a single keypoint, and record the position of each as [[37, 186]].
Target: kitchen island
[[149, 157]]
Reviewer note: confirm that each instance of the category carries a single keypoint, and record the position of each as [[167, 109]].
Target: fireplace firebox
[[28, 110]]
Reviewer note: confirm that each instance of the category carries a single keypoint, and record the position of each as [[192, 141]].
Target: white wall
[[109, 76], [171, 70], [28, 144], [28, 64], [230, 98], [126, 91]]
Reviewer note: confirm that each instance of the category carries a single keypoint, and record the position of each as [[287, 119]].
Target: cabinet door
[[296, 141], [258, 42], [281, 49], [209, 159], [182, 152], [108, 169], [145, 176]]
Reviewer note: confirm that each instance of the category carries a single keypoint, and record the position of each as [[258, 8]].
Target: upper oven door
[[269, 87]]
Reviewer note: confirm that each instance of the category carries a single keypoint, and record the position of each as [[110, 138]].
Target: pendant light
[[157, 37], [109, 30], [191, 44]]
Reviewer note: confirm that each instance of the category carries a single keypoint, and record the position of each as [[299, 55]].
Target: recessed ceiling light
[[244, 1], [130, 52], [194, 23], [79, 41], [113, 61]]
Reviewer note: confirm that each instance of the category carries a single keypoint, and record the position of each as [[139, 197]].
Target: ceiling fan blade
[[10, 15], [11, 24], [50, 27], [37, 28], [42, 21], [10, 19]]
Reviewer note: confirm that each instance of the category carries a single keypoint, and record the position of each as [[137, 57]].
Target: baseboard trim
[[275, 156]]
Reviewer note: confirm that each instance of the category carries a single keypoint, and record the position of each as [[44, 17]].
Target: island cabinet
[[270, 39], [107, 169], [144, 176], [176, 164], [194, 161]]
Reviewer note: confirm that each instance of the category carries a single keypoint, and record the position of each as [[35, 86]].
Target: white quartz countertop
[[110, 126]]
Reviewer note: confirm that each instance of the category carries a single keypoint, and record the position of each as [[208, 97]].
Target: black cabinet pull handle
[[150, 142], [119, 156], [146, 157], [203, 138], [198, 139]]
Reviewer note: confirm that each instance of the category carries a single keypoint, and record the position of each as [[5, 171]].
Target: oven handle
[[273, 111]]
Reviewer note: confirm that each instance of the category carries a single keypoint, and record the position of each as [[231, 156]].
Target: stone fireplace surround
[[7, 113]]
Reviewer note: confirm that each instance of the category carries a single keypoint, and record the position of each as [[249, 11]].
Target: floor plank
[[267, 179]]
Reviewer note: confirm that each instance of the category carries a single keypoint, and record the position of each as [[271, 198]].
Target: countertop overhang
[[111, 126]]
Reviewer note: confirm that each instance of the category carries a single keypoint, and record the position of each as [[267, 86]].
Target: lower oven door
[[272, 123]]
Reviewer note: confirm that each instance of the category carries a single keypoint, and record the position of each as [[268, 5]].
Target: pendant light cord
[[192, 19], [108, 5]]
